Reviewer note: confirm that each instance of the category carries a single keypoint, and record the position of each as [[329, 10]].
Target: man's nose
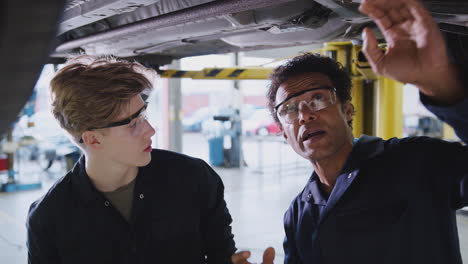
[[306, 113]]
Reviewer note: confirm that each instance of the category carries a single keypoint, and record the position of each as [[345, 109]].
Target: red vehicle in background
[[260, 123]]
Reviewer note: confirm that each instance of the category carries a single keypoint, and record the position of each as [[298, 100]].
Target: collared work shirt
[[179, 216], [395, 201]]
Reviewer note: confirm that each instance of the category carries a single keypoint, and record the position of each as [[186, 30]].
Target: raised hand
[[242, 256], [416, 51]]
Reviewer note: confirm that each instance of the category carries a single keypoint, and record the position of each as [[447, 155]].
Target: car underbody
[[155, 32]]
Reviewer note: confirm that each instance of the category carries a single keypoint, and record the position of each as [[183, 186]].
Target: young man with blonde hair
[[124, 202]]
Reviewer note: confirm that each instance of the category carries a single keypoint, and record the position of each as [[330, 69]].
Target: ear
[[92, 139], [348, 110]]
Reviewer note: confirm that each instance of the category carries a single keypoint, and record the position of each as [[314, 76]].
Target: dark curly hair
[[309, 63]]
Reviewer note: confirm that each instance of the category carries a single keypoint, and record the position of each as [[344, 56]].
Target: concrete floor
[[257, 197]]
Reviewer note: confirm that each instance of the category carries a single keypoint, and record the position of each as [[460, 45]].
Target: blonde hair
[[90, 91]]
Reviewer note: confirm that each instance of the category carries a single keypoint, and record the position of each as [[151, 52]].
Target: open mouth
[[313, 135]]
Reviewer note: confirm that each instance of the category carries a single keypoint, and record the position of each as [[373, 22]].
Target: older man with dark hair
[[371, 200]]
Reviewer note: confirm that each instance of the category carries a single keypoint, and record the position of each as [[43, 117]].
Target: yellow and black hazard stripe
[[176, 74], [234, 73], [344, 52]]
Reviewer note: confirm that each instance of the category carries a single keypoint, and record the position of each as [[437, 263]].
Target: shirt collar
[[364, 148], [88, 193], [312, 191], [82, 183]]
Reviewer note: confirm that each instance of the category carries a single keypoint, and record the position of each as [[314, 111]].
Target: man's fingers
[[405, 13], [378, 9], [385, 4], [381, 18], [428, 31], [269, 255], [371, 49], [420, 13], [368, 8], [396, 15], [240, 257]]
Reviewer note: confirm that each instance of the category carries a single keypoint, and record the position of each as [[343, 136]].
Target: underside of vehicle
[[162, 30], [156, 32]]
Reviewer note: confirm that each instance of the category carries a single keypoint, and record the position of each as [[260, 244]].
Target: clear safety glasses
[[134, 122], [314, 99]]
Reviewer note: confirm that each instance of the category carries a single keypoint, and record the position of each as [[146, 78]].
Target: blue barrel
[[216, 151]]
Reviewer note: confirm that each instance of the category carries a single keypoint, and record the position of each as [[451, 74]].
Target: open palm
[[416, 48]]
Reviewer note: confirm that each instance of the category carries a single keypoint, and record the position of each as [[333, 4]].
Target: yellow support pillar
[[347, 54], [340, 51], [448, 133], [389, 108], [358, 102]]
